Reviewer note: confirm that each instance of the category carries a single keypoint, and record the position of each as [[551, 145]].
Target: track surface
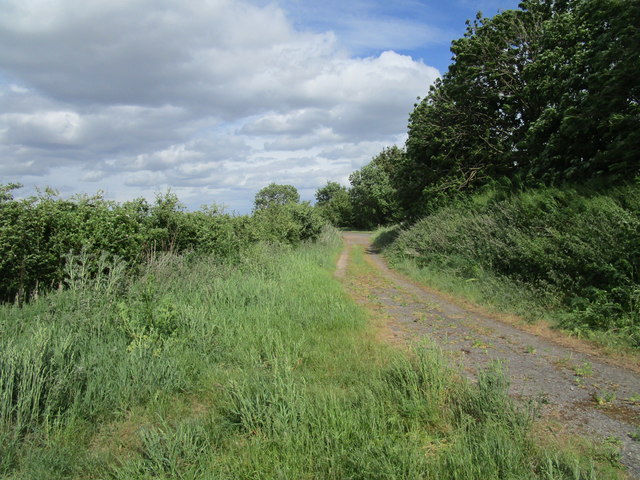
[[582, 394]]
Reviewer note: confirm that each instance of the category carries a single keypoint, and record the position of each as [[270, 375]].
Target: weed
[[604, 397], [611, 449], [480, 344], [543, 399], [584, 370], [634, 399], [564, 362]]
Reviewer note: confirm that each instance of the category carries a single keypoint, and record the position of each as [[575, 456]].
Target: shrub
[[581, 247]]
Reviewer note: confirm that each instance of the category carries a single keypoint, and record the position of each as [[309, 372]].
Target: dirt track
[[582, 393]]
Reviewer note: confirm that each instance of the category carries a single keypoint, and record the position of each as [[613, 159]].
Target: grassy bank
[[260, 369], [572, 256]]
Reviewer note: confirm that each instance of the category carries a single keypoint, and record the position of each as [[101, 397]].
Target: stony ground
[[581, 392]]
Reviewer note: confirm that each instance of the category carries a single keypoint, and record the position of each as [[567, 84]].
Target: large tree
[[464, 131], [334, 204], [548, 93], [373, 191]]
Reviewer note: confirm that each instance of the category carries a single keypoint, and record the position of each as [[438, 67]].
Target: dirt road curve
[[582, 393]]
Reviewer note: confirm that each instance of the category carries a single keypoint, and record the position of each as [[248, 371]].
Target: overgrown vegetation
[[39, 232], [567, 254], [260, 368]]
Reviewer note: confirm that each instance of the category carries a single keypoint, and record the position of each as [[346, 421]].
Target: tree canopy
[[544, 94], [373, 193], [547, 94], [334, 204], [276, 195]]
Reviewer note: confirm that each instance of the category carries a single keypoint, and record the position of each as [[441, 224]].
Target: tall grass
[[260, 369]]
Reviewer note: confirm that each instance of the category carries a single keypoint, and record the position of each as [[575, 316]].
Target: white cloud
[[93, 176], [206, 95], [319, 137], [292, 122], [145, 178], [49, 128], [170, 157], [18, 89]]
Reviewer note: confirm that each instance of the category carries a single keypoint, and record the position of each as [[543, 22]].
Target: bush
[[581, 247], [38, 233], [291, 223]]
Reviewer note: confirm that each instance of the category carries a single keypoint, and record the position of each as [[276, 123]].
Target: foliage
[[574, 251], [372, 193], [334, 204], [257, 369], [546, 93], [588, 125], [39, 232], [36, 233], [280, 217], [274, 195], [291, 223]]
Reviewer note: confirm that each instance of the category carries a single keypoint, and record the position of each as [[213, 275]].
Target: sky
[[212, 99]]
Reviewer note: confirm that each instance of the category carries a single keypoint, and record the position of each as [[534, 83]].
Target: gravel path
[[581, 393]]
